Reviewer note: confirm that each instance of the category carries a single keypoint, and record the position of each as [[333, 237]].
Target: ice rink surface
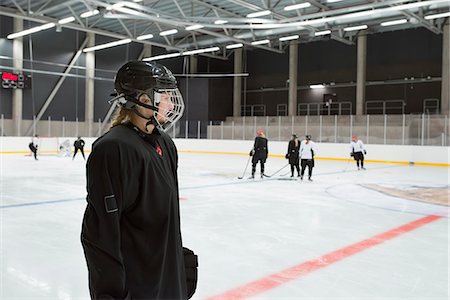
[[347, 235]]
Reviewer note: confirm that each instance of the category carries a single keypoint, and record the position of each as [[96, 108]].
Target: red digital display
[[15, 81], [9, 76]]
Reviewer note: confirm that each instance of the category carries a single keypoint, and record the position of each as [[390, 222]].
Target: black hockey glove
[[252, 153], [190, 266], [287, 156], [352, 154], [365, 152]]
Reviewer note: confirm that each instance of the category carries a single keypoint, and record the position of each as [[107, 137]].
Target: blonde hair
[[121, 116]]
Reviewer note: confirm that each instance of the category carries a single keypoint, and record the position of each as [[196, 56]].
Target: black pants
[[296, 166], [76, 150], [359, 156], [310, 164], [33, 149], [254, 167]]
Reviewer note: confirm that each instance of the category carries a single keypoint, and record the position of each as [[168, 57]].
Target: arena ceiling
[[216, 25]]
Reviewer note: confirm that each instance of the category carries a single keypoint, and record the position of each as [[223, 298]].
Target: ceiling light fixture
[[261, 42], [194, 27], [288, 38], [66, 20], [107, 45], [90, 13], [259, 14], [197, 51], [30, 31], [168, 32], [436, 16], [317, 86], [324, 32], [163, 56], [394, 22], [234, 46], [220, 22], [145, 37], [297, 6], [353, 28]]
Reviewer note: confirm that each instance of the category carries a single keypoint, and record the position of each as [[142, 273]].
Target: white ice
[[242, 230]]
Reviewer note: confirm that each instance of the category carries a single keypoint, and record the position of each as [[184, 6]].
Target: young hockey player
[[34, 145], [293, 154], [79, 145], [131, 228], [307, 152], [259, 152], [357, 149]]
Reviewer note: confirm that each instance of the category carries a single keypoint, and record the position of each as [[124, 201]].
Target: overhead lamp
[[194, 27], [138, 0], [162, 56], [353, 28], [333, 1], [107, 45], [30, 31], [394, 22], [234, 46], [324, 32], [115, 6], [145, 37], [66, 20], [297, 6], [259, 14], [90, 13], [316, 86], [436, 16], [288, 38], [220, 22], [261, 42], [198, 51], [168, 32]]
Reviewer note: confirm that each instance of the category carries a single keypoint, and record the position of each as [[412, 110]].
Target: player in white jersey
[[357, 151], [307, 152]]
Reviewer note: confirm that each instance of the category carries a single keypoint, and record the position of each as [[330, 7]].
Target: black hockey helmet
[[136, 78], [308, 137], [294, 136]]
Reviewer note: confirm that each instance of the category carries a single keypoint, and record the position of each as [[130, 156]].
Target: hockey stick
[[245, 170], [277, 171], [348, 163]]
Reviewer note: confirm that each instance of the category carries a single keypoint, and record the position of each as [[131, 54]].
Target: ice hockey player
[[64, 149], [357, 149], [293, 154], [131, 228], [34, 145], [79, 145], [259, 152], [307, 152]]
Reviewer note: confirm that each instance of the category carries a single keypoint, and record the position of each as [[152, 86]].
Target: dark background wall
[[391, 56]]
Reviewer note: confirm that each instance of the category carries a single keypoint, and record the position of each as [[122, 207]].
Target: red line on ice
[[274, 280]]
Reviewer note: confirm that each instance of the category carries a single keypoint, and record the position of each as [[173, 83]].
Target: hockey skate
[[309, 178]]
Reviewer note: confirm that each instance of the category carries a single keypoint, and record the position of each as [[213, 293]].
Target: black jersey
[[131, 228], [293, 151], [261, 149], [78, 144]]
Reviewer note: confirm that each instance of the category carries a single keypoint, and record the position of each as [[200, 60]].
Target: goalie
[[64, 149]]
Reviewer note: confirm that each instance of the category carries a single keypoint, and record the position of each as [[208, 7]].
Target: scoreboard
[[15, 81]]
